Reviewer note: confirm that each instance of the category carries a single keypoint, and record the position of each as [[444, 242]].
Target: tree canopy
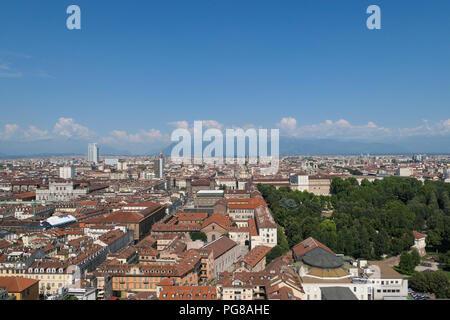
[[370, 219], [197, 235]]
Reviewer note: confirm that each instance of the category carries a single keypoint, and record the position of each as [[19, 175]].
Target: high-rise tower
[[93, 155]]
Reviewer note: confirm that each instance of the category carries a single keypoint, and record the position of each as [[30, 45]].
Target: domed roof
[[321, 258]]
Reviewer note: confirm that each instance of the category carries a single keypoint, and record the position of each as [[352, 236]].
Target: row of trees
[[368, 220], [435, 282]]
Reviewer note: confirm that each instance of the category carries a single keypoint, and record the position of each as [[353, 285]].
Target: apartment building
[[242, 285], [139, 218], [266, 228], [254, 260], [225, 252], [241, 210], [129, 278], [203, 293], [51, 275], [21, 288], [61, 191]]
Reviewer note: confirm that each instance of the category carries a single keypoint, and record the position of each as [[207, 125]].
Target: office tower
[[66, 172], [93, 153], [159, 167]]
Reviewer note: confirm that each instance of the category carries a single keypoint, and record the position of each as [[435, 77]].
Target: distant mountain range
[[298, 146], [288, 146]]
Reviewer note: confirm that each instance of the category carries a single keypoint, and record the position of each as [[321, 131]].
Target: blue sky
[[138, 69]]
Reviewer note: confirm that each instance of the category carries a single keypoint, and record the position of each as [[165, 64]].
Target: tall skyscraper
[[158, 167], [93, 155]]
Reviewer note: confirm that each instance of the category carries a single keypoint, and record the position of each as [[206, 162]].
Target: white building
[[404, 172], [228, 182], [122, 165], [111, 162], [57, 221], [323, 272], [60, 191], [83, 292], [93, 154], [384, 282], [267, 229], [300, 182], [159, 167], [67, 172], [447, 175], [419, 243]]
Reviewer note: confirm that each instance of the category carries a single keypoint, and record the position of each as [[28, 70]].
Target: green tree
[[274, 253], [406, 263], [282, 240], [415, 257], [328, 235], [381, 243], [444, 258], [370, 220], [197, 235], [431, 282]]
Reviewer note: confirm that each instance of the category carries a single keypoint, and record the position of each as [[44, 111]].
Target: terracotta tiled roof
[[254, 256], [194, 216], [263, 217], [252, 228], [16, 284], [220, 246], [147, 242], [246, 203], [144, 296], [111, 236], [418, 235], [307, 245], [4, 243], [218, 219], [243, 279], [88, 203], [181, 227], [25, 195], [188, 293], [201, 182], [283, 293]]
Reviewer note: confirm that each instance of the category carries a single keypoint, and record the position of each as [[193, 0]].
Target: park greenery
[[435, 282], [369, 220]]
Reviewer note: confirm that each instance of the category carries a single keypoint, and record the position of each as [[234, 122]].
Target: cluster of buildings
[[145, 228]]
